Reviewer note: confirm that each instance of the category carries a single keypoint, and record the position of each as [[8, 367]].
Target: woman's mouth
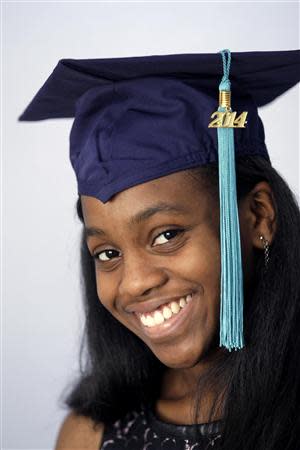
[[168, 318], [164, 312]]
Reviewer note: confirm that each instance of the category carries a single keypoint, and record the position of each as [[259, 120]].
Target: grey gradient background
[[42, 318]]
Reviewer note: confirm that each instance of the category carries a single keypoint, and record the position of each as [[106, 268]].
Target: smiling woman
[[190, 257]]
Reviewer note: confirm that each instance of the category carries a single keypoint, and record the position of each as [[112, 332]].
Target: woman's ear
[[258, 215]]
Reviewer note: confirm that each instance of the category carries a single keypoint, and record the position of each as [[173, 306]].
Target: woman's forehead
[[170, 192]]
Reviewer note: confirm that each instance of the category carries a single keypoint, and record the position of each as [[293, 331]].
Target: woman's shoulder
[[79, 432]]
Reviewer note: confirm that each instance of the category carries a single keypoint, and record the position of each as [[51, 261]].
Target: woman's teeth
[[164, 313]]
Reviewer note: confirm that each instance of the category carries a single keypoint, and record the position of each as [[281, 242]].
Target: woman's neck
[[176, 403]]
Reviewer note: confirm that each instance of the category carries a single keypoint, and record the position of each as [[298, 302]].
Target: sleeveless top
[[143, 430]]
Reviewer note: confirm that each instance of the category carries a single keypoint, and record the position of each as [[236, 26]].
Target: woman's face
[[157, 262]]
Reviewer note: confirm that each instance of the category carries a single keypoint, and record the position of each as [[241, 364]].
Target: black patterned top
[[142, 430]]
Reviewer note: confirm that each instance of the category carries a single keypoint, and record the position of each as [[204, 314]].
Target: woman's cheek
[[203, 266], [104, 285], [200, 260]]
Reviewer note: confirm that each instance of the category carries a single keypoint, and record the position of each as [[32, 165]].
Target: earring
[[266, 250]]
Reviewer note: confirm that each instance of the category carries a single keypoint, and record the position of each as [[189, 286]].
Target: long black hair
[[260, 383]]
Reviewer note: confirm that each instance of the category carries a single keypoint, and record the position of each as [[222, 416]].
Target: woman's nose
[[141, 274]]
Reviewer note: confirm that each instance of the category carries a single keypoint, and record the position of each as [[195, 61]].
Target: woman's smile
[[169, 320]]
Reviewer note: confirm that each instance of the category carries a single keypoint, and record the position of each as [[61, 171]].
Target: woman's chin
[[181, 360], [184, 357]]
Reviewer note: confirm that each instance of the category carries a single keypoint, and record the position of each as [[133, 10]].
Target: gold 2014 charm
[[228, 119]]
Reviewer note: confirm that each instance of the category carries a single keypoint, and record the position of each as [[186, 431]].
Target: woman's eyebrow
[[141, 216]]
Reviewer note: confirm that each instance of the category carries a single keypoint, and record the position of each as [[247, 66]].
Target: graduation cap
[[141, 118]]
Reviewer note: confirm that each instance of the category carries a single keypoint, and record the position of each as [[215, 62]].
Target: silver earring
[[266, 250]]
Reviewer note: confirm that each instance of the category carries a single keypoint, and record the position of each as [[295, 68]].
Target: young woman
[[154, 375]]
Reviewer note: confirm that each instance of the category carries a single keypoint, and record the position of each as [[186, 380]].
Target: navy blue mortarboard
[[140, 118]]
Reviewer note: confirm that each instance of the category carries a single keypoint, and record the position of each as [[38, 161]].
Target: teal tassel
[[231, 309]]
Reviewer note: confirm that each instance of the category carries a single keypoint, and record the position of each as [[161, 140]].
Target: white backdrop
[[42, 318]]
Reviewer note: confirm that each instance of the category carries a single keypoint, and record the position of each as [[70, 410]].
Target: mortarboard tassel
[[231, 309]]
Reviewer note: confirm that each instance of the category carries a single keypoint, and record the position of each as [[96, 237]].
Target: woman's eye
[[170, 234], [105, 255]]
